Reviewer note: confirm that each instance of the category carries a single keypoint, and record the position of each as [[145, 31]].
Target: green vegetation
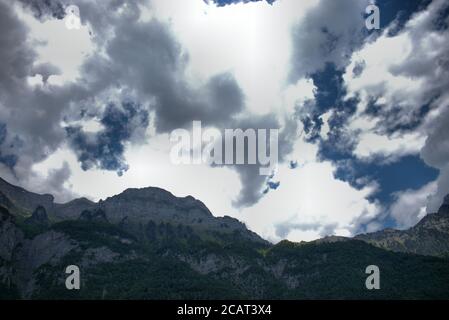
[[337, 271], [164, 261]]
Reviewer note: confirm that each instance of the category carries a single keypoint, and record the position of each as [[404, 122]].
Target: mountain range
[[149, 244]]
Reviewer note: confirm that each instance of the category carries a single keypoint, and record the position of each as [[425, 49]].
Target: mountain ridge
[[131, 205], [428, 237], [149, 244], [12, 197]]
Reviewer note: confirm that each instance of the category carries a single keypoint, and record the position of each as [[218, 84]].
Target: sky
[[363, 115]]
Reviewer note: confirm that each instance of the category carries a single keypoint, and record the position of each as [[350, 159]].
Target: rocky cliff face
[[429, 237], [140, 206], [38, 218], [72, 209], [147, 243], [10, 235], [37, 234], [131, 208], [20, 201]]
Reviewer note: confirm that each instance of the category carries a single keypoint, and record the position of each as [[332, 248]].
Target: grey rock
[[11, 237], [24, 202], [94, 256], [129, 208], [46, 248], [429, 237], [72, 209], [39, 217]]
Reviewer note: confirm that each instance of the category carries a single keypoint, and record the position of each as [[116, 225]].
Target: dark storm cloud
[[428, 63], [104, 149], [9, 160], [149, 60], [329, 97], [54, 183], [325, 68], [45, 70], [436, 154], [141, 58], [436, 150], [253, 184], [221, 3], [423, 110], [45, 8], [329, 34], [283, 229], [31, 115], [145, 60], [15, 55]]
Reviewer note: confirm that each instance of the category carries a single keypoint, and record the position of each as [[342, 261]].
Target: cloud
[[409, 206], [284, 229], [142, 59], [9, 160], [252, 40], [328, 34], [371, 145], [55, 183], [309, 201], [31, 132], [402, 93], [156, 62], [146, 58], [436, 154], [43, 9], [399, 87], [104, 149], [142, 69]]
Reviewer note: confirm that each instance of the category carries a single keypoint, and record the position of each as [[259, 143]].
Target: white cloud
[[296, 94], [310, 196], [410, 205], [436, 153], [251, 40], [56, 44], [151, 166], [401, 74], [325, 129], [371, 144]]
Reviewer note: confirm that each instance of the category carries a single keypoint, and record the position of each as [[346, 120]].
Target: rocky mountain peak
[[428, 237], [133, 207], [22, 200], [72, 209], [444, 208], [446, 201], [153, 204], [39, 217], [147, 192]]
